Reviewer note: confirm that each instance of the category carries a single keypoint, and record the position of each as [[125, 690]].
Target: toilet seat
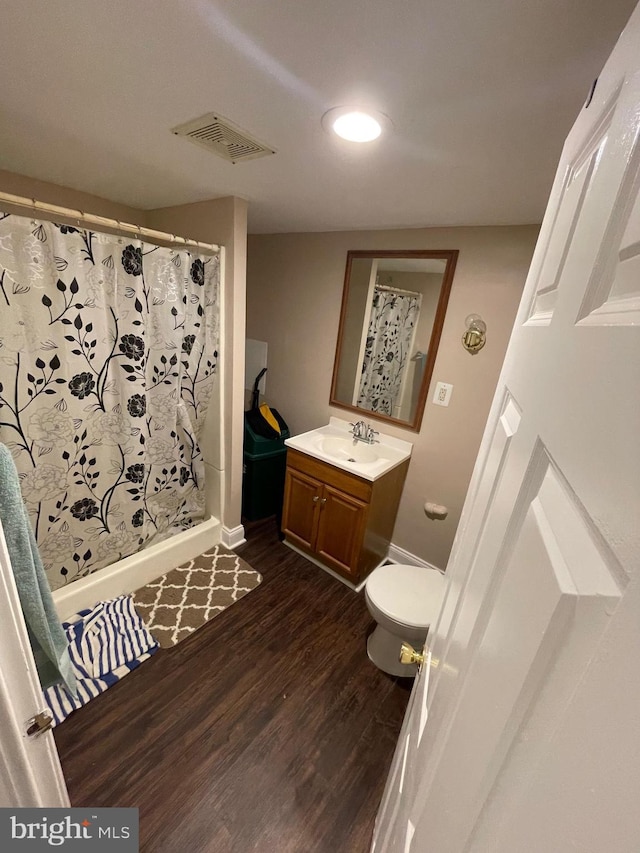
[[409, 595]]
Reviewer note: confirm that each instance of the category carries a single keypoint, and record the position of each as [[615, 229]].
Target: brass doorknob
[[409, 655]]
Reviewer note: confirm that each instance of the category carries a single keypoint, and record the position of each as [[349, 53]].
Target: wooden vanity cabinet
[[342, 520]]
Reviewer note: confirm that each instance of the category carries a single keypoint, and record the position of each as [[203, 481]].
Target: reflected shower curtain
[[108, 349], [393, 318]]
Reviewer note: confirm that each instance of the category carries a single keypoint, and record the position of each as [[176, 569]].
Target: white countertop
[[335, 445]]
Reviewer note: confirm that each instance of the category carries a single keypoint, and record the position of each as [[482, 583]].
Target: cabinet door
[[340, 531], [301, 508]]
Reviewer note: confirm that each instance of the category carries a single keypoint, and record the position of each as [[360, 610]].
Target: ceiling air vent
[[219, 135]]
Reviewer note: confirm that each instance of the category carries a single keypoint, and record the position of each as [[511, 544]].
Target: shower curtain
[[108, 350], [393, 317]]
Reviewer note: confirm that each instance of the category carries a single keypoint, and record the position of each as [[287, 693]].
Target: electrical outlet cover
[[442, 394]]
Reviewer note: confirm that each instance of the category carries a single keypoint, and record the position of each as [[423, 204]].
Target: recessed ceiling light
[[355, 125]]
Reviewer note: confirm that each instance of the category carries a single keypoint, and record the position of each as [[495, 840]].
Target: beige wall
[[294, 289], [222, 221], [66, 197], [355, 310]]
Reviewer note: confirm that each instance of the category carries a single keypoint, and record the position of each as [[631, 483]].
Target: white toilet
[[404, 601]]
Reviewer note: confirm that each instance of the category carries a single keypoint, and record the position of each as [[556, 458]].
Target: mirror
[[393, 307]]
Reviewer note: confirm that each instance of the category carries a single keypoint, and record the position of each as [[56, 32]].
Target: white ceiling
[[481, 94]]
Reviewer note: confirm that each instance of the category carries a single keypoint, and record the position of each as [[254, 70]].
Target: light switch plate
[[442, 394]]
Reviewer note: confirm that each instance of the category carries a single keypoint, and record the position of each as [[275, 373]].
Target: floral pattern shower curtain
[[391, 324], [108, 350]]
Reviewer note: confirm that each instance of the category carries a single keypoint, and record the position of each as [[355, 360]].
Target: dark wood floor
[[267, 730]]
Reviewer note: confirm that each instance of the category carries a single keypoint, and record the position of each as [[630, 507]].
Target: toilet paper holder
[[436, 511]]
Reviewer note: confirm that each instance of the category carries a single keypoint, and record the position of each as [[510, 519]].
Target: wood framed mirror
[[393, 308]]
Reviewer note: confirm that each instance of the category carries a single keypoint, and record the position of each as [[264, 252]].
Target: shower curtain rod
[[105, 221], [387, 288]]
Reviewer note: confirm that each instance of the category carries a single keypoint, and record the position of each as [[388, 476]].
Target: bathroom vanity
[[341, 498]]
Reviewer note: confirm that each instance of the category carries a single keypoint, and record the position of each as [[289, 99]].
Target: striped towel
[[113, 635], [106, 642]]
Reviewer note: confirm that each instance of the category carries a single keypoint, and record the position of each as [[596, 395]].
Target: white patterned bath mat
[[178, 603]]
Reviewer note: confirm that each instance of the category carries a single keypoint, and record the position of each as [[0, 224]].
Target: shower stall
[[110, 396]]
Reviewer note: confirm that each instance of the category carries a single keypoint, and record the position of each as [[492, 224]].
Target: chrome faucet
[[363, 432], [370, 435], [359, 431]]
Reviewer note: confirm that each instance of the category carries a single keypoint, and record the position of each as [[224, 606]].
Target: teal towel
[[48, 640]]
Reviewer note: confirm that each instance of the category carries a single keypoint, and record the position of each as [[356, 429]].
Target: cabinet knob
[[323, 501], [316, 498]]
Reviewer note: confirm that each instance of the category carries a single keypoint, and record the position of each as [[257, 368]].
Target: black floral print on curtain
[[393, 318], [108, 350]]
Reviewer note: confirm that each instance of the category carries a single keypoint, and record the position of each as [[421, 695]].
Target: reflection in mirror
[[393, 308]]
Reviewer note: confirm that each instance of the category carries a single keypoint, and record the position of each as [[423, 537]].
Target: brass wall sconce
[[476, 335]]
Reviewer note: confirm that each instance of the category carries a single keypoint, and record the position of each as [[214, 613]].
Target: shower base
[[139, 569]]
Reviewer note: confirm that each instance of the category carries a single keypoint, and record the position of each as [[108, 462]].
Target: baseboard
[[232, 537], [399, 555], [395, 555]]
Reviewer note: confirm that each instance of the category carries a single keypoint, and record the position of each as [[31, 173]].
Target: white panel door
[[30, 772], [528, 738]]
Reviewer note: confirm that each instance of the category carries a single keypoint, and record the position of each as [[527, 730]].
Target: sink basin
[[333, 443], [348, 450]]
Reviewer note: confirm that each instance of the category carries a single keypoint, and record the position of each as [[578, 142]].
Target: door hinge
[[39, 724]]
